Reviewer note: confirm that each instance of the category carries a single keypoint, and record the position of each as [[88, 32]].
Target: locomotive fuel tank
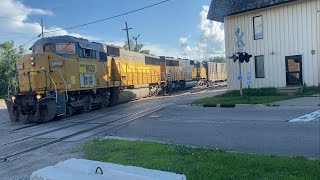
[[128, 95]]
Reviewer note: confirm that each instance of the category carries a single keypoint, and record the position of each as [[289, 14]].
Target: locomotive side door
[[163, 70]]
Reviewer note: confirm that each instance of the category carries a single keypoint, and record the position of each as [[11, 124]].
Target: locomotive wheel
[[14, 112], [69, 111]]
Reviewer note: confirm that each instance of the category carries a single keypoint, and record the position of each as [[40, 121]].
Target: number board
[[88, 68]]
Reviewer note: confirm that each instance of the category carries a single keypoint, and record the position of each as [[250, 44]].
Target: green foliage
[[201, 163], [238, 100], [311, 90], [147, 52], [257, 96], [137, 48], [217, 59], [8, 57]]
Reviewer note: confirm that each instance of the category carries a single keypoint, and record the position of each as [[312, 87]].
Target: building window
[[259, 66], [258, 27]]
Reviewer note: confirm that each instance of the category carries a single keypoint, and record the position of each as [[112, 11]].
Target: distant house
[[282, 35]]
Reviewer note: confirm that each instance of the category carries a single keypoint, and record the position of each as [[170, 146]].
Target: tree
[[147, 52], [133, 47], [8, 58], [217, 59]]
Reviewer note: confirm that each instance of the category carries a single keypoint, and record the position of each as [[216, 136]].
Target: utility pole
[[240, 45], [240, 79], [136, 39], [41, 28], [128, 38]]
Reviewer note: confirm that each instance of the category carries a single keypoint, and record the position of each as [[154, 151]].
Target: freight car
[[215, 72], [65, 74]]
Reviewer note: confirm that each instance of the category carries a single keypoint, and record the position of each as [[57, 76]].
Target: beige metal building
[[283, 36]]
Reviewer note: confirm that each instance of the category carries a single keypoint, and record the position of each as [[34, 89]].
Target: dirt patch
[[3, 105]]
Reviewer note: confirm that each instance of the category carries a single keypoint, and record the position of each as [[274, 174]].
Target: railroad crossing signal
[[247, 57], [242, 57], [234, 57]]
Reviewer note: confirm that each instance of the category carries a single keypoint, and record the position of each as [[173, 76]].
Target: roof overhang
[[222, 8]]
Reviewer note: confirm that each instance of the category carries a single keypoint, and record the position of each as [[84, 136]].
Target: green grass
[[253, 92], [257, 96], [199, 163], [239, 100], [312, 90]]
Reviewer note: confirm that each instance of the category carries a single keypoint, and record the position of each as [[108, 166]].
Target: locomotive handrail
[[45, 75], [55, 87], [65, 83]]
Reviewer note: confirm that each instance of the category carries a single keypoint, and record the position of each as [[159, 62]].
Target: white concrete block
[[85, 169]]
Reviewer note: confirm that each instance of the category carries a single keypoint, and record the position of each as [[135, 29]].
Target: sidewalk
[[304, 101]]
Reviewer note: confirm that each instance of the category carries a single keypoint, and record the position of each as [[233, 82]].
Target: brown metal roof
[[222, 8]]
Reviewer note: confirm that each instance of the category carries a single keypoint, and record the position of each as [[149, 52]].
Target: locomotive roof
[[86, 43], [66, 39]]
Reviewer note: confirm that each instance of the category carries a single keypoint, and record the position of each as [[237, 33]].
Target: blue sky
[[177, 27]]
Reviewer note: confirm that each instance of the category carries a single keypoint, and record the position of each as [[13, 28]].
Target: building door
[[294, 70]]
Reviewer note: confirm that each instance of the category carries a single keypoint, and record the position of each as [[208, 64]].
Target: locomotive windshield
[[37, 49], [49, 48], [66, 48]]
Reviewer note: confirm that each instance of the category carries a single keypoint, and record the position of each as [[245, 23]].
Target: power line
[[108, 18], [93, 22], [7, 18]]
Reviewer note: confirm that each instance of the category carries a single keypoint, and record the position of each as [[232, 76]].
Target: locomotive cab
[[45, 79]]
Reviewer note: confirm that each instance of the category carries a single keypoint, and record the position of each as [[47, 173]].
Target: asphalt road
[[252, 130]]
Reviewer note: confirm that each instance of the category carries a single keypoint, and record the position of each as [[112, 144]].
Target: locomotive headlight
[[13, 98], [32, 63], [38, 96]]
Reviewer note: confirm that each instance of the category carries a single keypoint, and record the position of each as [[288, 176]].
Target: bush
[[253, 92], [311, 89]]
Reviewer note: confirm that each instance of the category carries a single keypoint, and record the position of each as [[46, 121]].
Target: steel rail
[[153, 109]]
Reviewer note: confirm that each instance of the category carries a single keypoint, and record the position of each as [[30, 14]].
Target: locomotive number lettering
[[90, 68], [87, 68], [56, 63]]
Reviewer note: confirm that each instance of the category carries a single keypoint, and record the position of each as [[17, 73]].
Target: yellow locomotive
[[65, 74]]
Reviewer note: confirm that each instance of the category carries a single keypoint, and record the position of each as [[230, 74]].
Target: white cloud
[[209, 44], [159, 50], [19, 29], [118, 43], [183, 40]]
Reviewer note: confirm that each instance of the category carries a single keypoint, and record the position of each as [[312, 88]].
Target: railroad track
[[126, 119], [67, 124], [116, 123], [66, 121], [37, 125]]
